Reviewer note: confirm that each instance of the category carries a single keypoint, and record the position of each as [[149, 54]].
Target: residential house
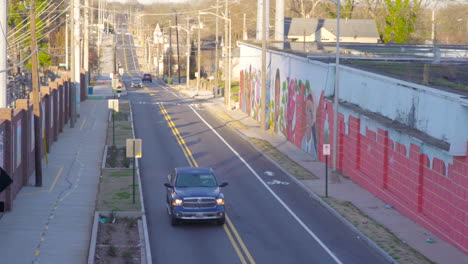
[[324, 30]]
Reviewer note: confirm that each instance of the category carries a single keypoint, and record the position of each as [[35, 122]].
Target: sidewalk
[[343, 188], [52, 224]]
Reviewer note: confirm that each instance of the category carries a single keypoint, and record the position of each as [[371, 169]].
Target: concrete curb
[[104, 157], [367, 240], [92, 246], [149, 259]]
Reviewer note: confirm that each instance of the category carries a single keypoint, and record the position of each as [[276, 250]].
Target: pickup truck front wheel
[[221, 221], [174, 220]]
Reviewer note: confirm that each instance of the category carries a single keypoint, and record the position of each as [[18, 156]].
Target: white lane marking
[[176, 95], [314, 236], [269, 173], [273, 182]]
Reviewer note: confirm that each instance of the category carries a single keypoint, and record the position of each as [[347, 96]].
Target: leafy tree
[[346, 9], [400, 19], [18, 17]]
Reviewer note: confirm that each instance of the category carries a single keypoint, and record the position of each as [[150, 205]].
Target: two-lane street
[[266, 223]]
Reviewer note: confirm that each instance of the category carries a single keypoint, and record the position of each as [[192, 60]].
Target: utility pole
[[244, 28], [198, 54], [3, 54], [216, 47], [230, 64], [177, 37], [337, 86], [187, 78], [99, 12], [67, 67], [170, 51], [36, 107], [263, 92], [226, 66], [75, 70], [72, 65], [86, 44]]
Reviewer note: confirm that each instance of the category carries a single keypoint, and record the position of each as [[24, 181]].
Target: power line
[[19, 63], [24, 38]]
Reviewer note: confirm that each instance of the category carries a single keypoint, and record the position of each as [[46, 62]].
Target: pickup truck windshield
[[195, 180]]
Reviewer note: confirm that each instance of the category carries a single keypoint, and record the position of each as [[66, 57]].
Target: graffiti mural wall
[[405, 143], [293, 96]]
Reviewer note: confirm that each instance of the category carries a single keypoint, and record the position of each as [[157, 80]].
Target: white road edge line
[[271, 191]]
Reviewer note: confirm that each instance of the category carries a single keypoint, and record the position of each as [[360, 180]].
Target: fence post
[[7, 115]]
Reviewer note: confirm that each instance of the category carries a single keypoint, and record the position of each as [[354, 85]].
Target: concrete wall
[[403, 142], [438, 114], [17, 134]]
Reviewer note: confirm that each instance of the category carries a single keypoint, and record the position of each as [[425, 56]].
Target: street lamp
[[227, 66], [335, 102]]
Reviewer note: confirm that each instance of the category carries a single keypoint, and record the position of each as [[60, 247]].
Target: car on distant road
[[136, 82], [147, 77], [193, 194]]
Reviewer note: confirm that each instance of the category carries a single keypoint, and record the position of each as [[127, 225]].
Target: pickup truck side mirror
[[224, 184], [168, 185]]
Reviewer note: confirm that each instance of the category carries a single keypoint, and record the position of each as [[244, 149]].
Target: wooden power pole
[[35, 86]]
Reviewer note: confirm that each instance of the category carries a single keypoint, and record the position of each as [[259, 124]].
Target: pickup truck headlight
[[177, 202], [220, 201]]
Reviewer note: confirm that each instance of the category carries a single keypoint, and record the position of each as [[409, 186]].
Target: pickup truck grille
[[199, 203]]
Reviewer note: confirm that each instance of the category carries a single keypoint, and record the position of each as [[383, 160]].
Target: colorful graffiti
[[291, 107]]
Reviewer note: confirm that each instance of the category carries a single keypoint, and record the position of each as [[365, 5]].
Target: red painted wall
[[405, 180]]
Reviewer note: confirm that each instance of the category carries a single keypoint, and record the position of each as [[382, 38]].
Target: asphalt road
[[267, 223]]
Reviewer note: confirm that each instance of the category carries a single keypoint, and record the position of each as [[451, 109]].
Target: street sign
[[113, 104], [133, 144], [63, 64], [326, 149], [114, 83], [111, 75]]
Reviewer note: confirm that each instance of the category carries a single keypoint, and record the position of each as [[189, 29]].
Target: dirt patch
[[283, 160], [384, 238], [121, 116], [118, 241], [116, 158], [121, 130], [116, 191]]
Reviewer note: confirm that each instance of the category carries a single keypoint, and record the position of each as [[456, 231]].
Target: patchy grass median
[[116, 191]]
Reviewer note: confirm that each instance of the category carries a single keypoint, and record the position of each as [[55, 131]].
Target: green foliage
[[400, 19], [18, 16], [346, 9]]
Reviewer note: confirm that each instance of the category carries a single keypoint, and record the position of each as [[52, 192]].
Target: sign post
[[114, 106], [133, 148], [326, 152]]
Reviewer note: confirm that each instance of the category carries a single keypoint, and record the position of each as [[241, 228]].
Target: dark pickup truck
[[193, 194]]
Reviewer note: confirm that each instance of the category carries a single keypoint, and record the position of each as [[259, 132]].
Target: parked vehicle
[[193, 194]]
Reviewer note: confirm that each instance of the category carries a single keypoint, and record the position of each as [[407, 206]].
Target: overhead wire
[[24, 37], [44, 18], [25, 34], [12, 31], [21, 62]]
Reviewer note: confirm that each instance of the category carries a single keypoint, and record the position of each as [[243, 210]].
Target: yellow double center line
[[233, 235]]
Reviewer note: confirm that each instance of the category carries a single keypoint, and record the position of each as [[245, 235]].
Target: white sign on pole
[[111, 75], [113, 104], [131, 144], [326, 149]]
